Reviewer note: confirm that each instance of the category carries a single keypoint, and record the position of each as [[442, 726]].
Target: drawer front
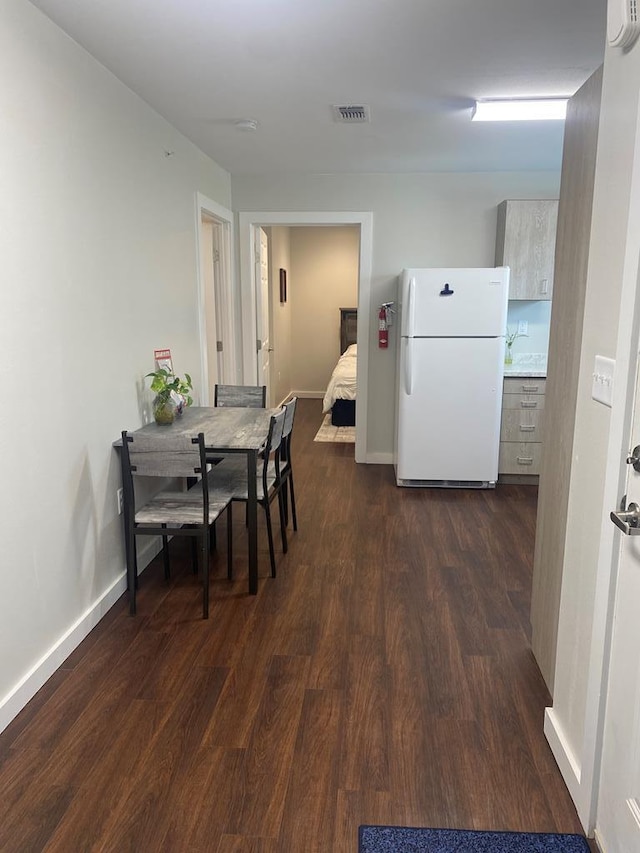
[[523, 401], [519, 457], [524, 386], [521, 425]]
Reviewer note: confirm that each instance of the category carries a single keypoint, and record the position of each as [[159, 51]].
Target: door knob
[[634, 459], [628, 520]]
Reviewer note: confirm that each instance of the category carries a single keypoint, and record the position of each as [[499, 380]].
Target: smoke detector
[[351, 114], [246, 124], [623, 26]]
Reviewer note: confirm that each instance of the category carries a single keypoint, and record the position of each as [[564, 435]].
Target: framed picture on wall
[[283, 285]]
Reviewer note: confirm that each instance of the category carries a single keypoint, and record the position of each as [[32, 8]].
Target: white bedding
[[342, 385]]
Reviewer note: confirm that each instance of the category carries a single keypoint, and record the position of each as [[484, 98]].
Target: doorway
[[249, 223], [215, 301], [263, 314]]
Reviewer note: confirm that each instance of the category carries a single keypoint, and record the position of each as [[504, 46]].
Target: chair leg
[[272, 556], [204, 555], [194, 556], [283, 522], [229, 542], [130, 549], [293, 502], [213, 542], [135, 565], [285, 500], [165, 555]]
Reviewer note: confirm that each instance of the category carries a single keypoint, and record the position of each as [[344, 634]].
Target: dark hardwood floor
[[385, 676]]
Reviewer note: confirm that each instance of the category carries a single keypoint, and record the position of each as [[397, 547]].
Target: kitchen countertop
[[527, 364], [511, 370]]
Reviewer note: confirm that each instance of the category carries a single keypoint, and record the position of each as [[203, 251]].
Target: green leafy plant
[[169, 387], [164, 382]]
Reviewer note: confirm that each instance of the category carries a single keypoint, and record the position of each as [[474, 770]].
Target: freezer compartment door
[[453, 302], [449, 408]]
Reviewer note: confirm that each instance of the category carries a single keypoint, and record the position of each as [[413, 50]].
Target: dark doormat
[[402, 839]]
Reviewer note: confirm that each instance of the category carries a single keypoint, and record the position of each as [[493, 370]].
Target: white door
[[263, 338], [218, 332], [618, 821], [209, 272]]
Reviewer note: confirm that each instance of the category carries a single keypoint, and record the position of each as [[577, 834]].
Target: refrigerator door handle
[[408, 366], [411, 308]]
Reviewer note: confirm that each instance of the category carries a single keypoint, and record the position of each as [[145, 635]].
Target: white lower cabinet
[[521, 430]]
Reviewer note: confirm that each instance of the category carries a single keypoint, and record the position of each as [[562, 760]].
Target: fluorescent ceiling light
[[520, 109]]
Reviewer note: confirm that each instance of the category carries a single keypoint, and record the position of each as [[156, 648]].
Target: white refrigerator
[[449, 380]]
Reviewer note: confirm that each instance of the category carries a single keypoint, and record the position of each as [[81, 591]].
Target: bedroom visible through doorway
[[311, 273], [326, 265]]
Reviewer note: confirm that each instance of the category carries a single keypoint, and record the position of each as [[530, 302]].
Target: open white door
[[209, 265], [218, 333], [263, 342], [618, 821]]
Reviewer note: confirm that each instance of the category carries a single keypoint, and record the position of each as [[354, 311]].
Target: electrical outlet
[[523, 327], [120, 500]]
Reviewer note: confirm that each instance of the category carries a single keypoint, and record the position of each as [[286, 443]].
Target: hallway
[[385, 676]]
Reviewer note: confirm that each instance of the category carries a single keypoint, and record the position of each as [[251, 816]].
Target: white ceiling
[[418, 65]]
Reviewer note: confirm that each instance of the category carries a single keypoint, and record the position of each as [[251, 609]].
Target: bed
[[340, 397]]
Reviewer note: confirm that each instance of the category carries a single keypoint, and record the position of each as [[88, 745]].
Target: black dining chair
[[171, 512], [230, 476], [241, 396], [286, 469]]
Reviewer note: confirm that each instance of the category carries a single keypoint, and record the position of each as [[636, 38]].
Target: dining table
[[227, 430]]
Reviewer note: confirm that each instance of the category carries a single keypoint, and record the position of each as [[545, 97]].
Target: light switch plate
[[523, 327], [602, 386]]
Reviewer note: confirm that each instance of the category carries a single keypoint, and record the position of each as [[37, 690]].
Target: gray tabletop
[[225, 428]]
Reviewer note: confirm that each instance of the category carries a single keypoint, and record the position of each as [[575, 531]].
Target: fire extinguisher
[[383, 333]]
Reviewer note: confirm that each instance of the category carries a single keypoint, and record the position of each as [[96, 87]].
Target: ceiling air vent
[[351, 114]]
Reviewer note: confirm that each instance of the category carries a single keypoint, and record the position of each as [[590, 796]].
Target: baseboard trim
[[379, 458], [29, 684], [563, 754]]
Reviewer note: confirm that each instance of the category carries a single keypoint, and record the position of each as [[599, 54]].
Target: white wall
[[97, 241], [281, 315], [324, 278], [419, 221]]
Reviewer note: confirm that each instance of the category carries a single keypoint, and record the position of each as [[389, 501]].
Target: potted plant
[[172, 394]]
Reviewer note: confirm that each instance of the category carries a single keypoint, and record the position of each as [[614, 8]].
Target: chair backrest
[[241, 396], [272, 445], [290, 411], [148, 455]]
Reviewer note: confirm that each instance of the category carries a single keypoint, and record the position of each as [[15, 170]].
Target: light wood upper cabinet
[[526, 242]]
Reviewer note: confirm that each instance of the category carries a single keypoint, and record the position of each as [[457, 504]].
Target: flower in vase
[[509, 339]]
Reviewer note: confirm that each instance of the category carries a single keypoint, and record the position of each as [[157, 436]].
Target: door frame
[[248, 220], [222, 216]]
